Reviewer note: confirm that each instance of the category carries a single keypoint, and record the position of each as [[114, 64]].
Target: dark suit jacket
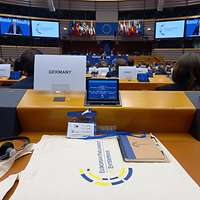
[[173, 87], [114, 73], [196, 30], [26, 83], [18, 29]]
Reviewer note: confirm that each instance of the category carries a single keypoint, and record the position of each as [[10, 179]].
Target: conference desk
[[134, 84], [154, 82], [167, 114], [7, 81], [154, 111]]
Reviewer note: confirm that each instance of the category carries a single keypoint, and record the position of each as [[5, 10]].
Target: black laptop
[[102, 92]]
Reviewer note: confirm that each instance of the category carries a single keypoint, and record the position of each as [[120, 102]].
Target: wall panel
[[168, 54], [16, 51], [91, 5]]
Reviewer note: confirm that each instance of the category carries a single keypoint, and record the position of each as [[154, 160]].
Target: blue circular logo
[[106, 29]]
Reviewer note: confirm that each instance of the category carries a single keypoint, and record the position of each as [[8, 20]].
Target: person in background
[[161, 70], [186, 74], [94, 70], [14, 28], [27, 66], [17, 65], [2, 61], [131, 62], [114, 72]]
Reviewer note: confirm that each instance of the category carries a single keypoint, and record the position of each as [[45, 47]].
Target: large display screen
[[170, 29], [45, 29], [192, 28], [14, 26]]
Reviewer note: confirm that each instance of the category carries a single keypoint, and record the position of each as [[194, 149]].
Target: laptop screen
[[102, 90]]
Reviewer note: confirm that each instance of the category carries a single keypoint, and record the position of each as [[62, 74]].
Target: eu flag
[[106, 28]]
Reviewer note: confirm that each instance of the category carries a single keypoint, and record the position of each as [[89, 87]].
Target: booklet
[[141, 149]]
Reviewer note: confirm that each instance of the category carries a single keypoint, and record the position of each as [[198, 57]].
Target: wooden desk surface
[[181, 145], [155, 111], [134, 84], [7, 81], [155, 79], [154, 82]]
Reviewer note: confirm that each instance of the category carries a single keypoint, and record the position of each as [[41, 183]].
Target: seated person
[[186, 74], [130, 62], [17, 65], [94, 71], [114, 72], [27, 66], [161, 71]]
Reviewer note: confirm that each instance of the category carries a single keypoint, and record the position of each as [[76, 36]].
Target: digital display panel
[[192, 28], [14, 26], [170, 29], [102, 89], [45, 29]]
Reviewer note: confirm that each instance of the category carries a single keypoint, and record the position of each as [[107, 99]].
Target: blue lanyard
[[106, 134]]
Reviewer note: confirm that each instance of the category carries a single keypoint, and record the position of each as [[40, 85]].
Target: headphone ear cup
[[5, 150]]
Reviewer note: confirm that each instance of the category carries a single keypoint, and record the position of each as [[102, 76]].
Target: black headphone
[[7, 147]]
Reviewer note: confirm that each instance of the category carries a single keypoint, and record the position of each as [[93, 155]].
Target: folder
[[141, 149]]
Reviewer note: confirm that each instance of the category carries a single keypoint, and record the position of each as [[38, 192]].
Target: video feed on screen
[[128, 28], [14, 26], [170, 29], [192, 28], [45, 29], [102, 89]]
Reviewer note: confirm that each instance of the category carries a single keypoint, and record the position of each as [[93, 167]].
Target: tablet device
[[102, 92]]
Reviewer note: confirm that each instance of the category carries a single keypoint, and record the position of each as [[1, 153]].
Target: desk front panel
[[141, 110]]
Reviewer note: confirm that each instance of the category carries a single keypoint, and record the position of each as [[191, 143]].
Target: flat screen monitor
[[169, 29], [14, 26], [48, 29], [102, 91], [192, 28]]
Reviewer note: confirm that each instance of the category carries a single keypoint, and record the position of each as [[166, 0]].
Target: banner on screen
[[94, 59], [170, 29], [45, 29], [59, 73]]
